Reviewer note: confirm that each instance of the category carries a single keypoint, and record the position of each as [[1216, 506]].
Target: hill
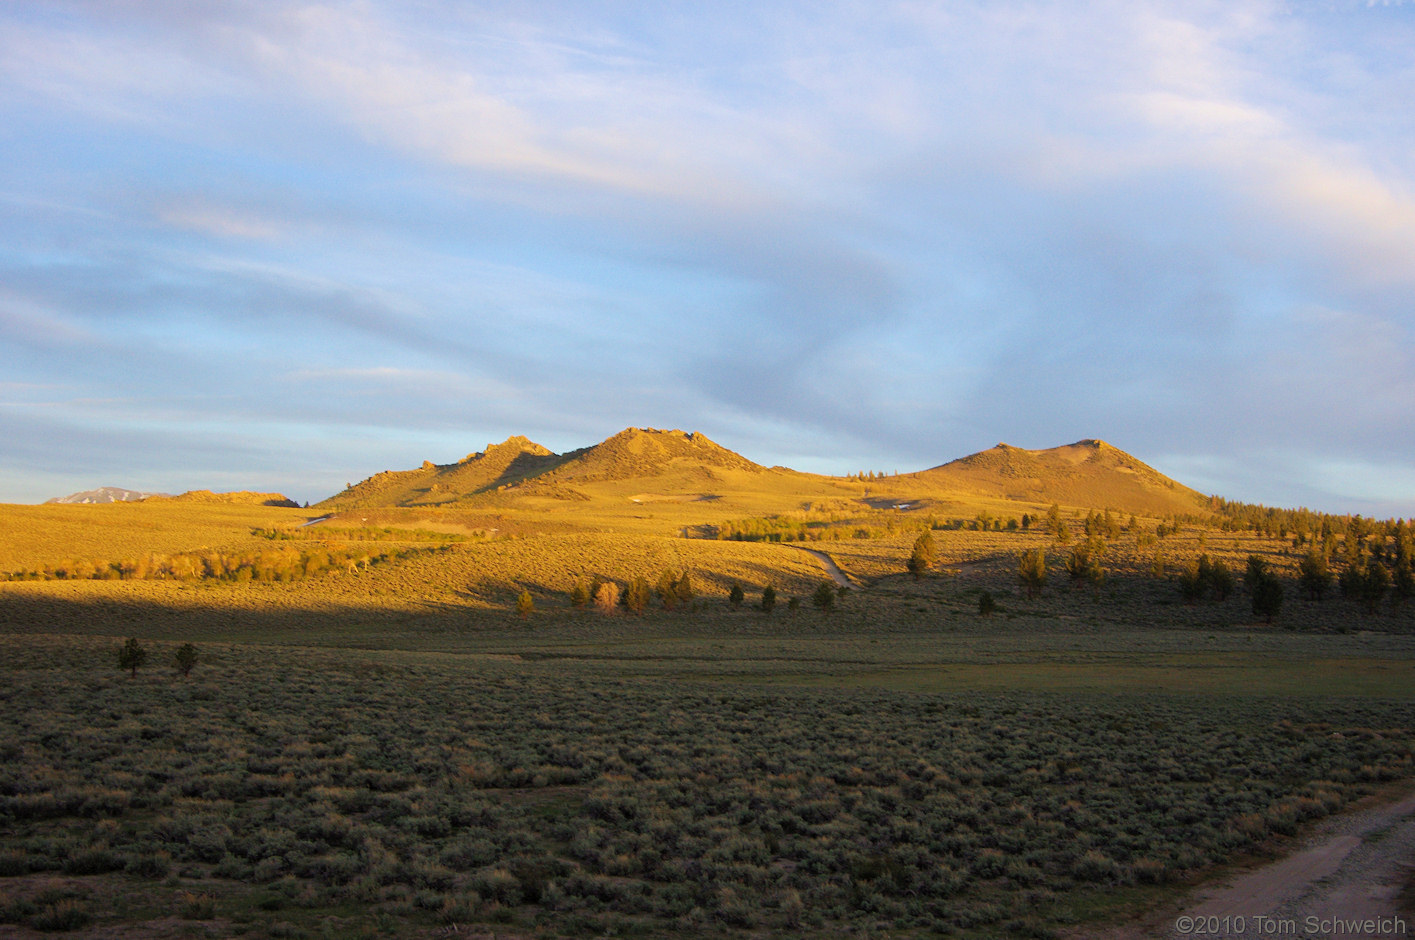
[[1089, 473], [242, 498], [647, 452], [513, 460], [533, 470], [667, 482]]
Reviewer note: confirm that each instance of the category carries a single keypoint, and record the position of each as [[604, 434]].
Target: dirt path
[[828, 563], [1344, 882]]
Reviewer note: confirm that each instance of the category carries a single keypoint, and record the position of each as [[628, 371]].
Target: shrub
[[195, 906], [922, 557], [68, 914], [151, 865]]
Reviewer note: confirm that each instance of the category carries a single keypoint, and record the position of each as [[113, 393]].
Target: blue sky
[[282, 246]]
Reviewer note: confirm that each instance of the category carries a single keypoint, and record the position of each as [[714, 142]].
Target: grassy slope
[[44, 535]]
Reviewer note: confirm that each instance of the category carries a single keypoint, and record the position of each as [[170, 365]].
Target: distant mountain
[[104, 494], [116, 494], [1088, 473]]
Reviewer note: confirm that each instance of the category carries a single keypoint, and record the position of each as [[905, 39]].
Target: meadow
[[392, 751]]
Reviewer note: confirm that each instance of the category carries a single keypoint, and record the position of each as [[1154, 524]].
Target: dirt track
[[828, 563], [1343, 882]]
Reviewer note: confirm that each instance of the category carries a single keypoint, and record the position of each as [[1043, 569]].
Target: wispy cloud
[[219, 221]]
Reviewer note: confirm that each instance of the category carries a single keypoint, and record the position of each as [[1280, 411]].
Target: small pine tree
[[1084, 563], [186, 658], [793, 604], [131, 656], [525, 604], [922, 558], [1032, 571], [1216, 577], [986, 605], [768, 599], [637, 597], [736, 595], [580, 594], [1257, 568], [1267, 595], [684, 589], [667, 590], [1191, 582], [1313, 574], [824, 597], [1374, 584]]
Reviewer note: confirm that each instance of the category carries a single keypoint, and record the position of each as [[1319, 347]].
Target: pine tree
[[1192, 581], [1084, 563], [684, 589], [1032, 570], [1313, 574], [580, 594], [637, 597], [1267, 595], [186, 658], [1403, 578], [824, 597], [736, 595], [131, 656], [768, 599], [667, 590], [986, 605], [525, 604], [1217, 578]]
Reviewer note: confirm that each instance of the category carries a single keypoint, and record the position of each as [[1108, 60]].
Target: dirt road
[[828, 563], [1344, 881]]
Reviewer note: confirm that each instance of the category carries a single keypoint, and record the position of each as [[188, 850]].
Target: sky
[[282, 246]]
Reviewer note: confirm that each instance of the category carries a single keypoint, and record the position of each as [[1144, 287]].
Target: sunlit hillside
[[1089, 473], [35, 536], [669, 482]]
